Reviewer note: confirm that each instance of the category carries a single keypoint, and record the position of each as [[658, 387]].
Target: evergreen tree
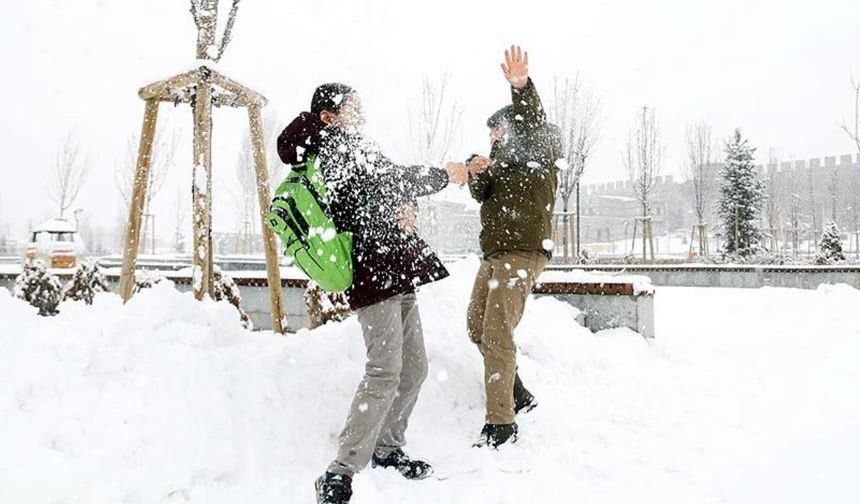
[[830, 247], [741, 199], [37, 286], [87, 281]]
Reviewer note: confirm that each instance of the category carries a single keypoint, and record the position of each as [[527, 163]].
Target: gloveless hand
[[457, 173], [516, 67]]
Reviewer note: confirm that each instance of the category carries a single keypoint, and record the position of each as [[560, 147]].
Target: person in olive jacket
[[373, 198], [516, 188]]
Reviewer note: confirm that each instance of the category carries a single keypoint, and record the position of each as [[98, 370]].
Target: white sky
[[778, 69]]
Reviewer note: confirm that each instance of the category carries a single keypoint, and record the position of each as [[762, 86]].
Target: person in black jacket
[[374, 198]]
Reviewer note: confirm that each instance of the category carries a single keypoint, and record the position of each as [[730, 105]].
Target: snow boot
[[524, 401], [333, 488], [410, 469], [494, 436]]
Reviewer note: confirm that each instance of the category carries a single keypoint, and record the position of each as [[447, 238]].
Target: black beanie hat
[[503, 115], [329, 97]]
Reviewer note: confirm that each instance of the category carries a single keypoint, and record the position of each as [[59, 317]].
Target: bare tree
[[163, 154], [68, 175], [437, 122], [576, 112], [812, 202], [179, 223], [643, 157], [246, 196], [701, 174], [205, 14], [774, 188], [853, 130]]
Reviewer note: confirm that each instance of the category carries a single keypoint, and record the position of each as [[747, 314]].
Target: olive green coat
[[517, 193]]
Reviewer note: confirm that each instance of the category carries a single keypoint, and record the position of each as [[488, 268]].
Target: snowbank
[[743, 398]]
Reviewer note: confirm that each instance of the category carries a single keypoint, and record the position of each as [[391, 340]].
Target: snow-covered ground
[[745, 396]]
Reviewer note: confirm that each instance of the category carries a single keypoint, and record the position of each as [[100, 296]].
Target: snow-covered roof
[[56, 226]]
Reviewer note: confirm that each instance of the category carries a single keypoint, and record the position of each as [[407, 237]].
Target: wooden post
[[651, 238], [202, 191], [692, 239], [273, 271], [138, 198], [633, 240]]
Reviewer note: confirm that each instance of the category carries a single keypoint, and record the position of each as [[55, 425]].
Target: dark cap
[[329, 97], [502, 116]]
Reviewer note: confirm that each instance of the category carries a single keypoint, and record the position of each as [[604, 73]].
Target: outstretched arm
[[528, 110]]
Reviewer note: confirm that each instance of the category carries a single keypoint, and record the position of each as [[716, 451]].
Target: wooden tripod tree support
[[647, 237], [704, 247], [202, 88]]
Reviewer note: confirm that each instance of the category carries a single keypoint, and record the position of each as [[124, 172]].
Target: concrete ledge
[[605, 302]]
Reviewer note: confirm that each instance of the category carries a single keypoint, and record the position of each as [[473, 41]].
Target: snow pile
[[170, 400]]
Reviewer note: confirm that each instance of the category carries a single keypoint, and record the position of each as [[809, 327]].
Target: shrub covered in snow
[[40, 288], [225, 289], [146, 279], [830, 246], [324, 307], [86, 282]]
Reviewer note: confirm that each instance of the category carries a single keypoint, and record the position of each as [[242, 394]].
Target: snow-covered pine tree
[[40, 288], [324, 307], [830, 247], [86, 282], [741, 199], [225, 289]]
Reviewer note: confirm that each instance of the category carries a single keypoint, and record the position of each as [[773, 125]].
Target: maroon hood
[[300, 138]]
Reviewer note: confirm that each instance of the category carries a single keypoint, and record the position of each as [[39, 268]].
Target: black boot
[[333, 488], [410, 469], [524, 401], [497, 435]]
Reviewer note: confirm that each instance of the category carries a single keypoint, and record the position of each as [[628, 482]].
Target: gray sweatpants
[[396, 367]]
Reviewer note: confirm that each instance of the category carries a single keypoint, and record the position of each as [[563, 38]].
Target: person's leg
[[478, 302], [514, 276], [393, 434], [383, 335]]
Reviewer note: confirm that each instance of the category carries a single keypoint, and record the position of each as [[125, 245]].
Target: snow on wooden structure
[[202, 88]]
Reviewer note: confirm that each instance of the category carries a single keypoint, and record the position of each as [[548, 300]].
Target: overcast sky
[[778, 69]]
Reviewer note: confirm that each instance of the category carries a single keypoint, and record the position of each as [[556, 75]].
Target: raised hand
[[516, 67]]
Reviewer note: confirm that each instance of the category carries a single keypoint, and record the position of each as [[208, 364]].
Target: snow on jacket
[[517, 194], [366, 189]]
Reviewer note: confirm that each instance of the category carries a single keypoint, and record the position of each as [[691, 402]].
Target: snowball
[[362, 407], [493, 284], [533, 164], [548, 244]]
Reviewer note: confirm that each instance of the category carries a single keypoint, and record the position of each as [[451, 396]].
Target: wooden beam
[[161, 89], [236, 88], [138, 198], [202, 192], [273, 271]]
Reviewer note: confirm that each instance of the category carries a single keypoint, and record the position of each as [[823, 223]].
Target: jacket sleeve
[[411, 182], [480, 186], [528, 109]]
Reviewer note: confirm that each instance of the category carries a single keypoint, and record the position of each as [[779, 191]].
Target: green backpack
[[299, 216]]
